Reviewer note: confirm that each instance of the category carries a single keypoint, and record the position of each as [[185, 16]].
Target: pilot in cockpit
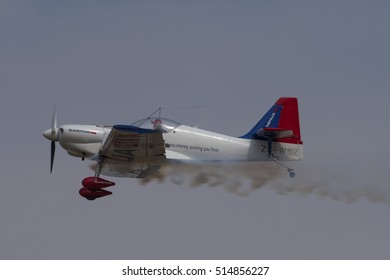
[[157, 124]]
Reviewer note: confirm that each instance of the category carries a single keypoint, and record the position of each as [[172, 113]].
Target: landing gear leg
[[99, 166], [290, 171], [269, 147]]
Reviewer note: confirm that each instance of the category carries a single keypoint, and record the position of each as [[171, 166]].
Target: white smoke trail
[[347, 184], [238, 178], [244, 178]]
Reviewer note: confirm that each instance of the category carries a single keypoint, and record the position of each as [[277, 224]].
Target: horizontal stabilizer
[[274, 133]]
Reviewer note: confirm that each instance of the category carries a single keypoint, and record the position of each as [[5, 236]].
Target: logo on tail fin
[[283, 117]]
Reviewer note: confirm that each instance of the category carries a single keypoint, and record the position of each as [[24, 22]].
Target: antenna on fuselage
[[201, 121]]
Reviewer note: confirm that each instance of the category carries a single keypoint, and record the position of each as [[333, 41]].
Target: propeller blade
[[54, 121], [52, 153]]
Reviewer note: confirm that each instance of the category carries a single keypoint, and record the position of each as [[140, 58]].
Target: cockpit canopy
[[164, 125]]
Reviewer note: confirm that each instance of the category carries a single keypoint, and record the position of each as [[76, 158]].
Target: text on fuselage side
[[194, 148], [125, 147], [82, 131], [282, 150]]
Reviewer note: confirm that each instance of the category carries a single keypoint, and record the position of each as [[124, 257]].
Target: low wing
[[129, 143], [130, 151]]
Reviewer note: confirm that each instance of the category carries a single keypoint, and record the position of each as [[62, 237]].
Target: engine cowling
[[78, 133], [82, 140]]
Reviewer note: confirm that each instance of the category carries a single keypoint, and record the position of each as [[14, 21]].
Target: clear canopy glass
[[164, 125]]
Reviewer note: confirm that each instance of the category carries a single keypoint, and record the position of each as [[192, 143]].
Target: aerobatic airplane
[[140, 149]]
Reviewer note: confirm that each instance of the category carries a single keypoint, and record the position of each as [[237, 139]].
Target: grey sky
[[109, 62]]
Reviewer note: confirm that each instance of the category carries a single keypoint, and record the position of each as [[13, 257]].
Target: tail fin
[[281, 123]]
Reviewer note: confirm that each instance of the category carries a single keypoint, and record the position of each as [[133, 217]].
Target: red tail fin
[[281, 123], [289, 119]]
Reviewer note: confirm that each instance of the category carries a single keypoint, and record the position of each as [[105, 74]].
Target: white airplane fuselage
[[141, 149], [182, 143]]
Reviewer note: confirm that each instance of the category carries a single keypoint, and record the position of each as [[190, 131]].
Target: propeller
[[52, 153], [52, 135]]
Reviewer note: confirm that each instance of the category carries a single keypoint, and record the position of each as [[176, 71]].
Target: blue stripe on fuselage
[[130, 128]]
